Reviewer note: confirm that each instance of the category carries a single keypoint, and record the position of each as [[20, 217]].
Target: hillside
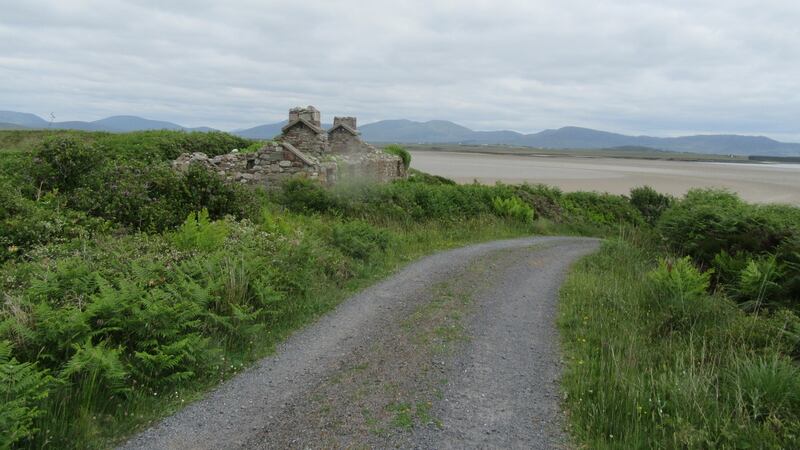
[[116, 124], [446, 132], [439, 132]]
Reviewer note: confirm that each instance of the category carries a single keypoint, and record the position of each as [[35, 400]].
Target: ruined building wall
[[268, 167], [308, 113], [305, 150], [306, 140], [342, 141]]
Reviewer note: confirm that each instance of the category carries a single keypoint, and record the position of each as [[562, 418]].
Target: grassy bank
[[130, 289], [655, 359]]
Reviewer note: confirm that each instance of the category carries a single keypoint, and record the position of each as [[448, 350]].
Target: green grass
[[653, 362]]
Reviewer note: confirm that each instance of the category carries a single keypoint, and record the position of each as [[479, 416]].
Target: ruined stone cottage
[[305, 149]]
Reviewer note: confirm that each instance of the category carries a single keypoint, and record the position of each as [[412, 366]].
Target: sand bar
[[764, 183]]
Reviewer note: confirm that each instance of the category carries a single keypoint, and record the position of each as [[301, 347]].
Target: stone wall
[[348, 121], [369, 163], [267, 167], [306, 140], [343, 142]]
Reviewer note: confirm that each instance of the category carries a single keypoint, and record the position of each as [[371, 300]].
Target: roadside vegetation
[[686, 334], [129, 289]]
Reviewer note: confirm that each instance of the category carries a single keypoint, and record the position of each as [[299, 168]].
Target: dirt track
[[457, 350]]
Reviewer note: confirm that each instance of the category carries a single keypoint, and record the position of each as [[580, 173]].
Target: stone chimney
[[308, 113], [348, 121]]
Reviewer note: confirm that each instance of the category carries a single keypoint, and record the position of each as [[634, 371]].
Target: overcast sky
[[660, 67]]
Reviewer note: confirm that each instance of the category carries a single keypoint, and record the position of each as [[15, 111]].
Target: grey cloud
[[641, 66]]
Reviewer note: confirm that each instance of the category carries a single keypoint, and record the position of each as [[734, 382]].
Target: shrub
[[707, 222], [155, 197], [359, 239], [64, 162], [513, 208], [546, 200], [604, 210], [649, 202], [728, 268], [302, 195], [398, 150], [205, 189], [25, 223]]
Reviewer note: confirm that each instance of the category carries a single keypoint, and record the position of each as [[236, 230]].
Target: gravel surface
[[457, 350]]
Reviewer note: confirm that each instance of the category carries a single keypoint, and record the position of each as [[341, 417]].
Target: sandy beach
[[763, 183]]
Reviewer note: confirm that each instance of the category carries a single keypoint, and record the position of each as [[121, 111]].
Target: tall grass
[[655, 361]]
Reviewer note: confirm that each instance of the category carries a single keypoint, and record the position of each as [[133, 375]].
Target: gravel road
[[457, 350]]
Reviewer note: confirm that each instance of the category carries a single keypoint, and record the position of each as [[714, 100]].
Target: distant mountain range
[[115, 124], [442, 131]]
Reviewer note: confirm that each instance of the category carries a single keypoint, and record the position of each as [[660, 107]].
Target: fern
[[513, 208], [200, 233], [96, 369], [22, 388]]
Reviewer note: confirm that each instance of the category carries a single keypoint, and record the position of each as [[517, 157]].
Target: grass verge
[[654, 361], [315, 272]]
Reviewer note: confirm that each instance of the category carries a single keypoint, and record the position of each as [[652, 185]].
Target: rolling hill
[[445, 132], [572, 137], [115, 124]]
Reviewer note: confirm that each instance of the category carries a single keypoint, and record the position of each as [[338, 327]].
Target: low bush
[[306, 196], [64, 163], [679, 281], [706, 222], [513, 208], [755, 250], [26, 223], [605, 210], [545, 200], [135, 194], [359, 239], [650, 203], [758, 283], [398, 150], [680, 297]]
